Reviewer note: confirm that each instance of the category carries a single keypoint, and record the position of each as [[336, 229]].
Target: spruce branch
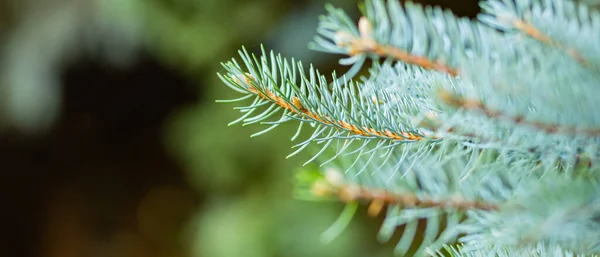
[[457, 101], [418, 183], [565, 25], [435, 39], [561, 211], [340, 111], [421, 137], [335, 185], [527, 207], [534, 33], [295, 107], [365, 44]]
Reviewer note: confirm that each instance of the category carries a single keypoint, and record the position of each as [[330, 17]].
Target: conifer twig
[[295, 106], [367, 44], [534, 33], [474, 104], [334, 185]]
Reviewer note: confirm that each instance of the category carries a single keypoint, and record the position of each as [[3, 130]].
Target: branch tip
[[295, 106]]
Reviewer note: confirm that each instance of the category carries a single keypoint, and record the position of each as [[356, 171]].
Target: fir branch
[[365, 43], [497, 185], [295, 107], [566, 25], [427, 37], [334, 185], [555, 210], [536, 34], [421, 182], [474, 104], [339, 111]]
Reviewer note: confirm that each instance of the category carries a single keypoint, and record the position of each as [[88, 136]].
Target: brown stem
[[379, 198], [296, 107], [534, 33], [366, 44], [474, 104], [413, 59]]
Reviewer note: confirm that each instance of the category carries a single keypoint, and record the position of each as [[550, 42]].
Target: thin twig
[[474, 104], [367, 44], [296, 107], [379, 198], [536, 34]]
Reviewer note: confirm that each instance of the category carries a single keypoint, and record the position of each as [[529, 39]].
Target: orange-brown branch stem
[[296, 107], [367, 44], [358, 46], [379, 198], [474, 104], [534, 33], [413, 59]]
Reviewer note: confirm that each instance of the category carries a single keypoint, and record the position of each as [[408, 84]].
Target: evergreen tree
[[478, 138]]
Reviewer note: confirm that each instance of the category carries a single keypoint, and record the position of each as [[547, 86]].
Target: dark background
[[136, 159]]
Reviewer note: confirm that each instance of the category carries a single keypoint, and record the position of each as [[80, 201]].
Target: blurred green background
[[111, 143]]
